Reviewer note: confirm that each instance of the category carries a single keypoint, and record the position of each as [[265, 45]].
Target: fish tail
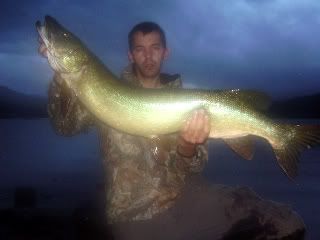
[[294, 139]]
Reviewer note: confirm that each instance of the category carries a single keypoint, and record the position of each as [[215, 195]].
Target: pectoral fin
[[244, 146]]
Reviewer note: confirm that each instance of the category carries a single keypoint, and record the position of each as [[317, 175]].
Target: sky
[[267, 45]]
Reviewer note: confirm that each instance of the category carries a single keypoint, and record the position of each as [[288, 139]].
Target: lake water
[[66, 171]]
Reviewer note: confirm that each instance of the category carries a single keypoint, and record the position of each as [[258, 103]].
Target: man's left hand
[[197, 128], [195, 131]]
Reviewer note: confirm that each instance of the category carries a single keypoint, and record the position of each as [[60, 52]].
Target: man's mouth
[[149, 66]]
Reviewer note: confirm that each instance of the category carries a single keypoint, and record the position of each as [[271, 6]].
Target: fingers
[[207, 126], [197, 128], [201, 127], [42, 48]]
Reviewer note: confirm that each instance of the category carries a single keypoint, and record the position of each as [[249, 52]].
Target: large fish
[[233, 114]]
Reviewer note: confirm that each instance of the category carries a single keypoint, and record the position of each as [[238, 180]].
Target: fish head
[[66, 53]]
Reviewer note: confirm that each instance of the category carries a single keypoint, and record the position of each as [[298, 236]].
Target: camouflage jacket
[[144, 176]]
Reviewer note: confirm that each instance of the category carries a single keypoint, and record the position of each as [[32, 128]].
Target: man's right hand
[[42, 48]]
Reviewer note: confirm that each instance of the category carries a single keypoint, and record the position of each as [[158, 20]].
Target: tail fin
[[295, 138]]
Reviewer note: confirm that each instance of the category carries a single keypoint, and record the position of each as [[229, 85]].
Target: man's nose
[[148, 53]]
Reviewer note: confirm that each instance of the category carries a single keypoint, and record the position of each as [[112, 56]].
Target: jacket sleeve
[[67, 116], [196, 163], [193, 164]]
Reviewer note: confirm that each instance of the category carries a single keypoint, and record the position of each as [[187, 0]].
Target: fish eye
[[65, 34]]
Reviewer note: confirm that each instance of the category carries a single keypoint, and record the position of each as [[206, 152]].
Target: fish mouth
[[48, 29], [47, 32], [41, 31]]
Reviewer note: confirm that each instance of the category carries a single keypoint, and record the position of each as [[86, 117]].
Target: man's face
[[147, 54]]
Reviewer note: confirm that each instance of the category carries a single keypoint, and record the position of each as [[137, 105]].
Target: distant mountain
[[18, 105], [298, 107]]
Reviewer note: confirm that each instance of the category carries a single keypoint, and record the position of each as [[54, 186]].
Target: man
[[152, 188]]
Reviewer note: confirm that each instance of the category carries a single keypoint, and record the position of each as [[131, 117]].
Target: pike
[[235, 115]]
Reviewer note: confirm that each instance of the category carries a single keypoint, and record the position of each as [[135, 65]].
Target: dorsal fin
[[244, 146], [255, 99]]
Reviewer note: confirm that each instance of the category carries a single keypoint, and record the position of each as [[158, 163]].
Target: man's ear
[[130, 57], [166, 53]]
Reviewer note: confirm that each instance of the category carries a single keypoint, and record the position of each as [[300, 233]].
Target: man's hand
[[197, 128], [195, 131], [42, 48]]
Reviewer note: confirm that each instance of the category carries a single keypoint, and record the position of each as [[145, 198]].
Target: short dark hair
[[146, 27]]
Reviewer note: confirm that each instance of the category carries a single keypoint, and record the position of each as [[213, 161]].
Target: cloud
[[270, 44], [267, 44]]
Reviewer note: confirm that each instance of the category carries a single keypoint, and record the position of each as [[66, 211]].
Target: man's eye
[[138, 49]]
